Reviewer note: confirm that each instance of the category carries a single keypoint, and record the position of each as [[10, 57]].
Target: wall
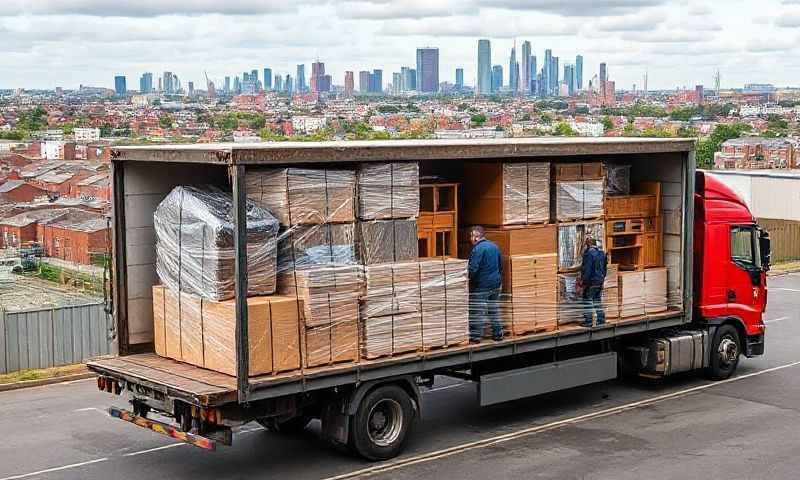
[[767, 194], [784, 239]]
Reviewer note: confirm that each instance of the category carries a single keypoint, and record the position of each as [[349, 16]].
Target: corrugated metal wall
[[48, 338]]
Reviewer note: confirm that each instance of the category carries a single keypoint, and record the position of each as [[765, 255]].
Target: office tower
[[579, 72], [348, 83], [159, 84], [376, 81], [267, 79], [288, 84], [603, 73], [169, 83], [532, 74], [428, 70], [396, 81], [146, 83], [413, 73], [120, 86], [409, 79], [546, 72], [497, 78], [227, 88], [525, 69], [485, 74], [699, 94], [317, 72], [513, 69], [191, 89], [459, 78], [254, 79], [278, 84], [237, 85], [364, 78], [325, 83], [554, 75], [300, 79], [569, 79]]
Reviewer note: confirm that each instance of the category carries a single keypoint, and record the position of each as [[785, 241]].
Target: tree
[[608, 124], [68, 128], [629, 130], [546, 118], [688, 132], [478, 119], [563, 129], [106, 129], [684, 114], [657, 132], [166, 120], [707, 147], [388, 109]]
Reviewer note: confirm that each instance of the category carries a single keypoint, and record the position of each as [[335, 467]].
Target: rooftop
[[10, 185]]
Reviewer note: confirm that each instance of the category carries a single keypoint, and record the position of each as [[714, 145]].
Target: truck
[[715, 253]]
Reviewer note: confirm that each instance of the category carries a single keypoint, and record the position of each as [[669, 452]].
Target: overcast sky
[[49, 43]]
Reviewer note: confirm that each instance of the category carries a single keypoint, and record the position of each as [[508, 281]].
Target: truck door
[[746, 283]]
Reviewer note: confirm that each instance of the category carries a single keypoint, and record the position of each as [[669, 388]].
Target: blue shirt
[[485, 266], [593, 267]]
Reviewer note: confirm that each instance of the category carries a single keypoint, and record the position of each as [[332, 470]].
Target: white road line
[[458, 449], [164, 447], [54, 469], [785, 289], [779, 319], [89, 409], [438, 389]]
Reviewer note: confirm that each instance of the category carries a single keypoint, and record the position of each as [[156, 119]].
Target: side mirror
[[764, 246]]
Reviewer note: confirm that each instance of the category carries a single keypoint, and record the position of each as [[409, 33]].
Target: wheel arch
[[738, 323], [407, 383]]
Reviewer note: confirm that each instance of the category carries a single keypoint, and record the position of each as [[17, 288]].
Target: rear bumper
[[164, 429], [754, 345]]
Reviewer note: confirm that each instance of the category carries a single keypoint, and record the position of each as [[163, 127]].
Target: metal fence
[[784, 239], [52, 337]]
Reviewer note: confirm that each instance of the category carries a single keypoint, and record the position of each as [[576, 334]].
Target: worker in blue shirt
[[593, 275], [485, 274]]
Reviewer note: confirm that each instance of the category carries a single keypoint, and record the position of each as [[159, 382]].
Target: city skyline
[[679, 44]]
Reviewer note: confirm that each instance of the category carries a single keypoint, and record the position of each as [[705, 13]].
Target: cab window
[[744, 247]]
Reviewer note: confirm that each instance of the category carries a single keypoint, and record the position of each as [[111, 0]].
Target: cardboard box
[[611, 302], [631, 294], [655, 290], [219, 336], [172, 325], [159, 332], [497, 193], [316, 346], [191, 329], [376, 336], [530, 240], [285, 317]]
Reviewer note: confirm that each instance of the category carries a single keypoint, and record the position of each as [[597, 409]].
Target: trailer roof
[[349, 151]]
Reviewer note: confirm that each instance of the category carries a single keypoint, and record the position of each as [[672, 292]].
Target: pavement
[[681, 427]]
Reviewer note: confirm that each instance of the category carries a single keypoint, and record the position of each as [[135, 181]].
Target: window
[[745, 247]]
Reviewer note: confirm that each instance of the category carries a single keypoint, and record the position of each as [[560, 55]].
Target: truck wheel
[[725, 351], [379, 428], [291, 426]]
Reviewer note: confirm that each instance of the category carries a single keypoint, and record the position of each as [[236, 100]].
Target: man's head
[[590, 242], [476, 234]]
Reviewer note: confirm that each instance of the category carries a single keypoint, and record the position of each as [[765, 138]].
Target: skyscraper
[[532, 75], [317, 72], [376, 81], [288, 84], [413, 79], [603, 73], [554, 75], [278, 83], [459, 78], [267, 79], [348, 83], [146, 83], [120, 86], [484, 67], [396, 82], [364, 78], [569, 79], [254, 78], [513, 69], [169, 84], [497, 78], [227, 88], [525, 69], [579, 72], [300, 80], [428, 70], [237, 85], [546, 73], [191, 89]]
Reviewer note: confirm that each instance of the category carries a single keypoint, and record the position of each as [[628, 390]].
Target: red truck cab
[[731, 258]]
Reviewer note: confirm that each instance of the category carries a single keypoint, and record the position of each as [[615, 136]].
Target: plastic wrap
[[194, 244], [515, 193], [382, 241], [307, 246], [304, 195], [592, 199], [569, 200], [618, 181], [538, 192], [533, 293], [570, 303], [571, 240], [388, 190]]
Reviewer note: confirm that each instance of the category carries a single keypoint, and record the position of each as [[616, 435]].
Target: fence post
[[3, 353]]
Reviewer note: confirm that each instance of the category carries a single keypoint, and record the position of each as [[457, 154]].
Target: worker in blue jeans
[[593, 275], [485, 274]]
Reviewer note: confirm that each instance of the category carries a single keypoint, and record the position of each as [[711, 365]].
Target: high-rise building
[[497, 78], [237, 85], [376, 81], [227, 88], [554, 75], [277, 85], [485, 73], [254, 79], [579, 72], [120, 86], [532, 75], [169, 83], [525, 69], [603, 73], [317, 71], [288, 84], [699, 94], [547, 73], [267, 79], [396, 82], [348, 83], [513, 69], [409, 79], [428, 70], [364, 79], [160, 89], [459, 78], [569, 79], [191, 89], [300, 79], [146, 83]]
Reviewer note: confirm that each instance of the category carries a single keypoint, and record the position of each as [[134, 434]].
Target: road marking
[[55, 469], [164, 447], [89, 409], [458, 449], [438, 389], [783, 289], [779, 319]]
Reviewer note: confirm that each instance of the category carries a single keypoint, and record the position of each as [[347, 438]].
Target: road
[[683, 427]]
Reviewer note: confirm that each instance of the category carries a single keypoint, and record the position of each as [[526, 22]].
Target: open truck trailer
[[369, 404]]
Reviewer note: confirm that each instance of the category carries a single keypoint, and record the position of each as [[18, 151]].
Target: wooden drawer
[[627, 206], [444, 220], [625, 226]]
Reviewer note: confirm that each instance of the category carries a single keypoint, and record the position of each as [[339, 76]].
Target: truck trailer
[[714, 253]]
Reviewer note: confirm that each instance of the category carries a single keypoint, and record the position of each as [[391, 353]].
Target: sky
[[50, 43]]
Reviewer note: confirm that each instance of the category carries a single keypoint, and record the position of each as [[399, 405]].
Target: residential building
[[428, 70], [485, 81], [120, 87], [396, 83], [376, 81], [18, 191], [546, 87], [86, 134], [756, 153], [227, 88], [699, 94], [305, 124]]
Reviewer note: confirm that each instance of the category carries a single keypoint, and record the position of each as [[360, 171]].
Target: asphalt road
[[683, 427]]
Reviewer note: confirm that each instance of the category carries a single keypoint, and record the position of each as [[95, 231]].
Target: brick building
[[75, 237], [756, 153], [16, 191]]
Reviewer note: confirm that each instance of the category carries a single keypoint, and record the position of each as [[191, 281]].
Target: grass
[[39, 374], [784, 267]]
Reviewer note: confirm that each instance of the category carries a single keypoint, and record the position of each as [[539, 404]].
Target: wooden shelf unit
[[635, 243], [437, 225]]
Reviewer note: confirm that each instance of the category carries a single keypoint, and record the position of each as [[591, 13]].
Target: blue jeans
[[483, 307], [593, 303]]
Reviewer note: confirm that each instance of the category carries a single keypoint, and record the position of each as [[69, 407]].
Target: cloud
[[630, 23], [142, 8], [699, 9], [771, 44], [789, 19], [482, 26], [575, 8], [666, 36], [387, 9]]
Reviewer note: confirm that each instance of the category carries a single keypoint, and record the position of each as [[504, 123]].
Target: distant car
[[9, 267]]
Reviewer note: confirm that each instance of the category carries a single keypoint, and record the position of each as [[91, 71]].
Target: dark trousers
[[593, 303], [483, 309]]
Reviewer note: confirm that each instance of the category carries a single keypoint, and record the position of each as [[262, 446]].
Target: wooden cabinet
[[437, 225]]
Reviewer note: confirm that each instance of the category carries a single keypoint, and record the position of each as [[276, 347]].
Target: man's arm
[[586, 267], [474, 261]]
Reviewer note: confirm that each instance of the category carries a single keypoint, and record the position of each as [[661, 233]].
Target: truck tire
[[292, 426], [725, 350], [381, 424]]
